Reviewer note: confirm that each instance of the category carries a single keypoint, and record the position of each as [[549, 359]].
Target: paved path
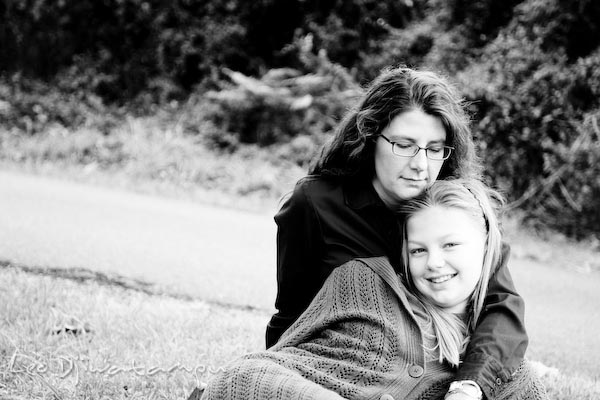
[[207, 252], [229, 256]]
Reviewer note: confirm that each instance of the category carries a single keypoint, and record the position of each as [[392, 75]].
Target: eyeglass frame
[[419, 148]]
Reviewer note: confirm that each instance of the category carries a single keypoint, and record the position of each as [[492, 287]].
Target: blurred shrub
[[531, 106], [285, 103], [39, 39], [478, 21], [407, 46], [567, 198], [442, 35], [33, 106], [570, 25], [301, 149], [350, 31], [132, 42]]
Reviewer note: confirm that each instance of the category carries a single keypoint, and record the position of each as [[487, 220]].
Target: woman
[[409, 130], [371, 333]]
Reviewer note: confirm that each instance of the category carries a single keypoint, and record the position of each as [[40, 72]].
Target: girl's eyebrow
[[454, 236]]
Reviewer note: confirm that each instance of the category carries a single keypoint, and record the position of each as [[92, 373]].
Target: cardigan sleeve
[[305, 362], [340, 295], [497, 347], [325, 307]]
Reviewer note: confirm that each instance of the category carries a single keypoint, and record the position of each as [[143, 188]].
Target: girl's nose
[[435, 260]]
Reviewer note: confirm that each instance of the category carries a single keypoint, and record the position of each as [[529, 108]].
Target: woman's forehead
[[416, 126]]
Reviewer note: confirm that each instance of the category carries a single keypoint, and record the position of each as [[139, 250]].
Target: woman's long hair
[[451, 333], [396, 90]]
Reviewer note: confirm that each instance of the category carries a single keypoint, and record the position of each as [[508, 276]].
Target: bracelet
[[468, 387]]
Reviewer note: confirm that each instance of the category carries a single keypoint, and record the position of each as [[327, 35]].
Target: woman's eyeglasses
[[410, 150]]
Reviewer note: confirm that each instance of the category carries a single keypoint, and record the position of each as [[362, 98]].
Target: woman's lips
[[415, 182]]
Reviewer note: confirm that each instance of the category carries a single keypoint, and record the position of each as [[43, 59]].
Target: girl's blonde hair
[[451, 333]]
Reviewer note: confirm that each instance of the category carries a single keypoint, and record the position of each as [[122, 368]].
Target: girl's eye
[[416, 251], [450, 245]]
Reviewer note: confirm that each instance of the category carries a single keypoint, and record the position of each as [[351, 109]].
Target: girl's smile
[[441, 279]]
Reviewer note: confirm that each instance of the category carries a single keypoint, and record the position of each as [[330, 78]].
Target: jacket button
[[386, 397], [415, 370]]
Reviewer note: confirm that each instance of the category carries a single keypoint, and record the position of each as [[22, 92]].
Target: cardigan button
[[386, 397], [415, 370]]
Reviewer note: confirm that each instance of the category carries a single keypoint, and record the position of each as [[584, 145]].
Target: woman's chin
[[410, 189]]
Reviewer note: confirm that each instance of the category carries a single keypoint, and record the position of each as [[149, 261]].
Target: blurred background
[[225, 102], [235, 97]]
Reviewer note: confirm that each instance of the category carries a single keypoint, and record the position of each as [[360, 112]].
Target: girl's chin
[[459, 308]]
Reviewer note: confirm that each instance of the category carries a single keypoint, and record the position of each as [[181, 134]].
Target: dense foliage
[[275, 73]]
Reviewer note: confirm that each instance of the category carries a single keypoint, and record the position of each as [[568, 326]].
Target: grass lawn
[[63, 339]]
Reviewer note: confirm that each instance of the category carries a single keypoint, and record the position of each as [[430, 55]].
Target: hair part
[[351, 151], [479, 202]]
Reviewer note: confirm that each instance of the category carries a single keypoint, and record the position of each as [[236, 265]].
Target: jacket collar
[[361, 194]]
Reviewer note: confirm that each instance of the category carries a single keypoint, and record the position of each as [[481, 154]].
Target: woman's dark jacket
[[326, 223]]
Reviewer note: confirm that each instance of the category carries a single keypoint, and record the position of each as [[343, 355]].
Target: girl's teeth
[[441, 279]]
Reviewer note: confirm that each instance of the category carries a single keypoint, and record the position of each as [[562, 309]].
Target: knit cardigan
[[358, 339]]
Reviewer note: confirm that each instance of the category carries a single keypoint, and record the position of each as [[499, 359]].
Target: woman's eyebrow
[[397, 138]]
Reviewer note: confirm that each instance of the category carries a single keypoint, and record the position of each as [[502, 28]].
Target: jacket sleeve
[[498, 344], [299, 243]]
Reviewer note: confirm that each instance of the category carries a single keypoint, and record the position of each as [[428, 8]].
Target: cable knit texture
[[358, 339]]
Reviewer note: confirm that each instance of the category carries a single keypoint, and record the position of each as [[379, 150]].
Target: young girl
[[373, 334]]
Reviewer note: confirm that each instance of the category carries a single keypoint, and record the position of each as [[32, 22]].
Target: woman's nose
[[419, 161]]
